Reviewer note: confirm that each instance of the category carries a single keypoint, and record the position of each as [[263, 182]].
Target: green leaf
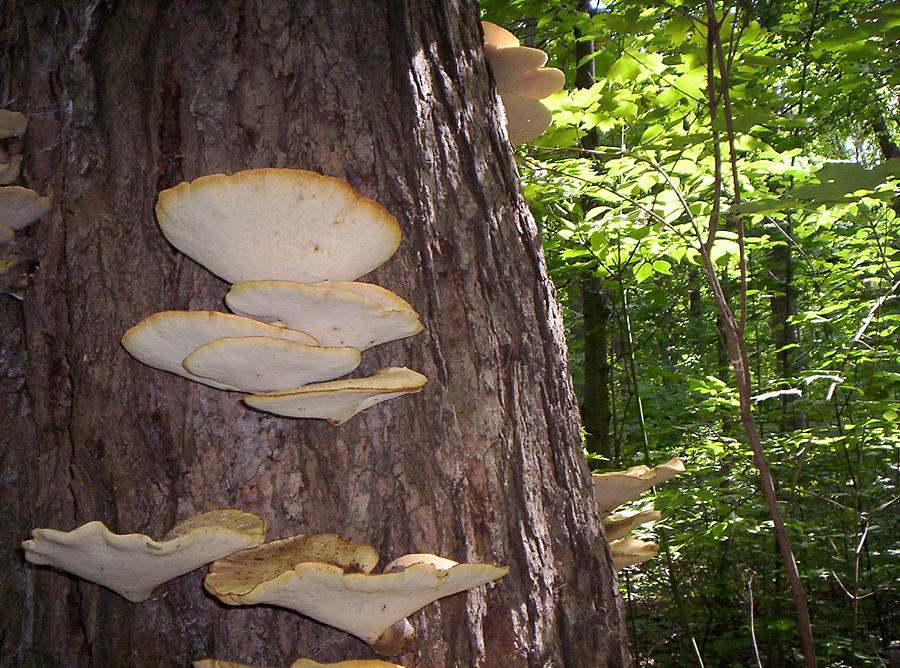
[[626, 68], [643, 272]]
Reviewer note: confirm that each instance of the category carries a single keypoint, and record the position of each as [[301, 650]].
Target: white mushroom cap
[[494, 34], [615, 488], [521, 81], [507, 63], [12, 124], [339, 400], [19, 207], [335, 317], [630, 551], [617, 526], [132, 565], [519, 71], [165, 339], [277, 223], [361, 604], [264, 364], [382, 296], [407, 560], [538, 83], [526, 119]]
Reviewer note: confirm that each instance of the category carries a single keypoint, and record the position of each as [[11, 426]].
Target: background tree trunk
[[128, 98]]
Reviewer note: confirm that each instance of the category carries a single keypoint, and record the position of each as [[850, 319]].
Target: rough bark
[[128, 98]]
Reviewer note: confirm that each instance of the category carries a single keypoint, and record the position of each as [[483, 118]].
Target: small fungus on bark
[[339, 400], [12, 124], [630, 551], [20, 207]]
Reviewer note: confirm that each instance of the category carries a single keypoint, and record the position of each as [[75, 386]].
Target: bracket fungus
[[334, 316], [630, 551], [293, 242], [341, 593], [617, 526], [339, 400], [12, 124], [522, 80], [164, 340], [286, 224], [133, 565], [302, 663], [263, 364], [19, 207], [617, 487]]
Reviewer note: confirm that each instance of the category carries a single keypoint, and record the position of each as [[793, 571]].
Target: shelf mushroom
[[286, 224], [132, 565], [335, 316], [522, 80], [302, 663], [12, 124], [339, 400], [266, 364], [617, 487], [294, 242], [630, 551], [20, 207], [616, 526], [342, 592], [202, 346]]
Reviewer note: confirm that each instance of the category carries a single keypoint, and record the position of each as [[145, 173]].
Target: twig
[[753, 624], [862, 330]]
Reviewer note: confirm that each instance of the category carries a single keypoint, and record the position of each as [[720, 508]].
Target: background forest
[[762, 227]]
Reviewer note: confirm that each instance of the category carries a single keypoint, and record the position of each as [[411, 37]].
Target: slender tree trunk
[[783, 304], [889, 148], [595, 413], [132, 97]]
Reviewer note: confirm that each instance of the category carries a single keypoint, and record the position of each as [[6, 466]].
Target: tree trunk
[[780, 267], [129, 98], [595, 412]]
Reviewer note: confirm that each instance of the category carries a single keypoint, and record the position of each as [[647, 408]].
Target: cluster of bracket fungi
[[292, 244], [19, 206], [614, 488], [322, 576], [522, 80]]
